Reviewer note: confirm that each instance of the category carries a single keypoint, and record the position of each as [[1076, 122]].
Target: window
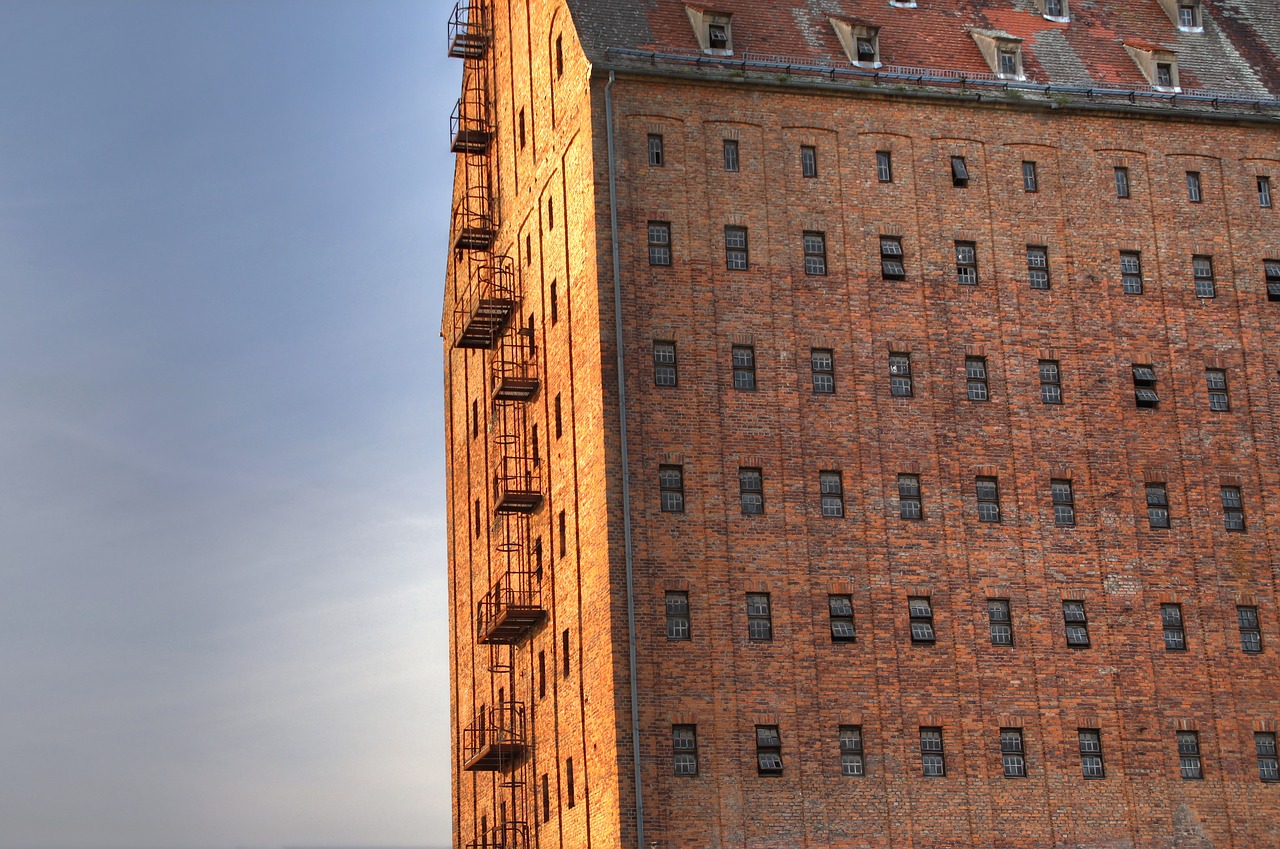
[[1164, 79], [1000, 621], [656, 159], [542, 674], [959, 172], [659, 242], [559, 56], [1216, 380], [751, 491], [476, 513], [1157, 505], [1122, 182], [1188, 16], [1050, 382], [568, 781], [1064, 502], [671, 488], [851, 750], [735, 248], [1271, 271], [759, 618], [1011, 68], [475, 419], [1189, 755], [1091, 753], [967, 263], [563, 534], [546, 797], [866, 50], [1264, 742], [684, 749], [841, 610], [1055, 9], [1175, 635], [822, 364], [832, 491], [975, 375], [768, 750], [521, 128], [909, 497], [1193, 177], [987, 490], [730, 155], [664, 363], [932, 758], [808, 161], [564, 652], [884, 166], [1232, 508], [1029, 181], [1131, 272], [1144, 386], [744, 367], [815, 253], [1012, 755], [1202, 272], [1250, 630], [1038, 266], [891, 267], [559, 417], [900, 375], [1264, 192], [1077, 624], [718, 33], [677, 615], [555, 303], [921, 613]]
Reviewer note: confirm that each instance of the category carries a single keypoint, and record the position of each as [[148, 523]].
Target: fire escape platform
[[473, 140], [495, 757], [518, 501], [510, 388], [510, 624], [475, 238], [468, 45], [485, 323]]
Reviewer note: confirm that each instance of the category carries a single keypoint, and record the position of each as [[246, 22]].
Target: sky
[[223, 229]]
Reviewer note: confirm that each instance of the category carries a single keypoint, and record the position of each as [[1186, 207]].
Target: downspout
[[626, 473]]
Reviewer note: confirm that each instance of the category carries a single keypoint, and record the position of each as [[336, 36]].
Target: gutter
[[626, 466]]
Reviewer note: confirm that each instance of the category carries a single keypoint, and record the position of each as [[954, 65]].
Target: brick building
[[937, 505]]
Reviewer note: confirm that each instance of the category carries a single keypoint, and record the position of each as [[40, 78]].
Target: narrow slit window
[[1091, 765], [1189, 763], [1264, 192], [735, 248], [664, 364], [900, 375], [1232, 508], [1131, 272], [671, 488], [730, 155], [851, 750], [684, 749], [744, 367], [808, 161], [656, 158], [815, 253], [1030, 180], [884, 166], [1013, 757], [1216, 381], [1250, 629], [1122, 182], [1264, 743], [932, 756], [659, 242], [1271, 273], [959, 172], [1064, 502], [1194, 193]]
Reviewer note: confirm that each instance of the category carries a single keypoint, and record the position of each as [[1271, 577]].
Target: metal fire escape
[[487, 310]]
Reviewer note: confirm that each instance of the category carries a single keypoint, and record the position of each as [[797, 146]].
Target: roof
[[1237, 54]]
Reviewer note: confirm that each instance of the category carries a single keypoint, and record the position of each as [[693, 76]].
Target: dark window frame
[[732, 163], [1000, 621], [1063, 498], [1173, 627], [684, 750], [768, 750], [893, 264], [967, 263], [920, 620], [986, 490], [840, 611], [1233, 508], [679, 622], [822, 367], [975, 376], [737, 255], [1190, 762], [814, 245], [933, 755], [1075, 620], [743, 361], [1050, 372], [910, 497], [831, 493], [884, 166], [665, 364], [1038, 267], [1195, 189], [808, 161], [1030, 179], [1202, 276], [759, 618], [751, 490], [1013, 753], [1092, 764], [1123, 190], [657, 157], [671, 488], [959, 172], [659, 235], [1215, 380], [1250, 625], [852, 761], [1157, 495], [1131, 272]]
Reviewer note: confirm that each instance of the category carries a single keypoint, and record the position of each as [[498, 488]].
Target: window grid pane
[[822, 364], [1264, 743], [1202, 272], [735, 248], [730, 155], [1038, 266], [999, 621], [1232, 508], [1216, 380], [751, 491], [759, 617], [900, 375], [1122, 182], [808, 161], [1091, 753], [677, 604], [671, 488], [909, 497], [921, 612], [1131, 272], [664, 363], [884, 166], [1193, 177], [975, 372], [744, 367], [1264, 192], [815, 253], [655, 150], [1064, 511], [967, 263], [841, 610], [1050, 382]]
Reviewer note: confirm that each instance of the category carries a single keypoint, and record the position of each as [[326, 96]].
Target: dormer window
[[713, 29], [1009, 63], [1055, 10], [1158, 64], [860, 40], [1002, 51], [903, 4], [1185, 14]]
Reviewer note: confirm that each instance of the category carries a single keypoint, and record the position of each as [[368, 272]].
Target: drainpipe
[[626, 466]]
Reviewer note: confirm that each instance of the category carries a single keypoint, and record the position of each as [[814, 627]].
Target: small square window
[[967, 263], [759, 618], [1076, 623], [671, 488], [744, 367], [730, 155], [656, 159], [1193, 177], [1264, 192], [891, 267], [1232, 508], [664, 363], [1055, 9], [1250, 629], [987, 490], [1202, 272], [1091, 753], [975, 375], [1164, 79], [959, 172], [808, 161], [1264, 743], [735, 248], [1038, 266], [659, 242], [900, 375], [866, 50], [1012, 755], [1122, 182], [1157, 505], [1188, 16], [909, 497], [822, 365], [841, 610], [751, 491], [1189, 755], [768, 750], [1011, 67], [1144, 387], [1050, 382], [831, 488], [815, 253], [1064, 503], [851, 750], [932, 757], [1271, 272], [677, 616], [921, 612], [1175, 635], [1131, 272], [884, 166], [718, 34], [1216, 380], [999, 622], [684, 749]]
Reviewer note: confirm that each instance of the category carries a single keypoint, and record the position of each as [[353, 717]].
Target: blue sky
[[222, 574]]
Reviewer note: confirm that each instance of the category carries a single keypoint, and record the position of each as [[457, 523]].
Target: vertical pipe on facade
[[626, 473]]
